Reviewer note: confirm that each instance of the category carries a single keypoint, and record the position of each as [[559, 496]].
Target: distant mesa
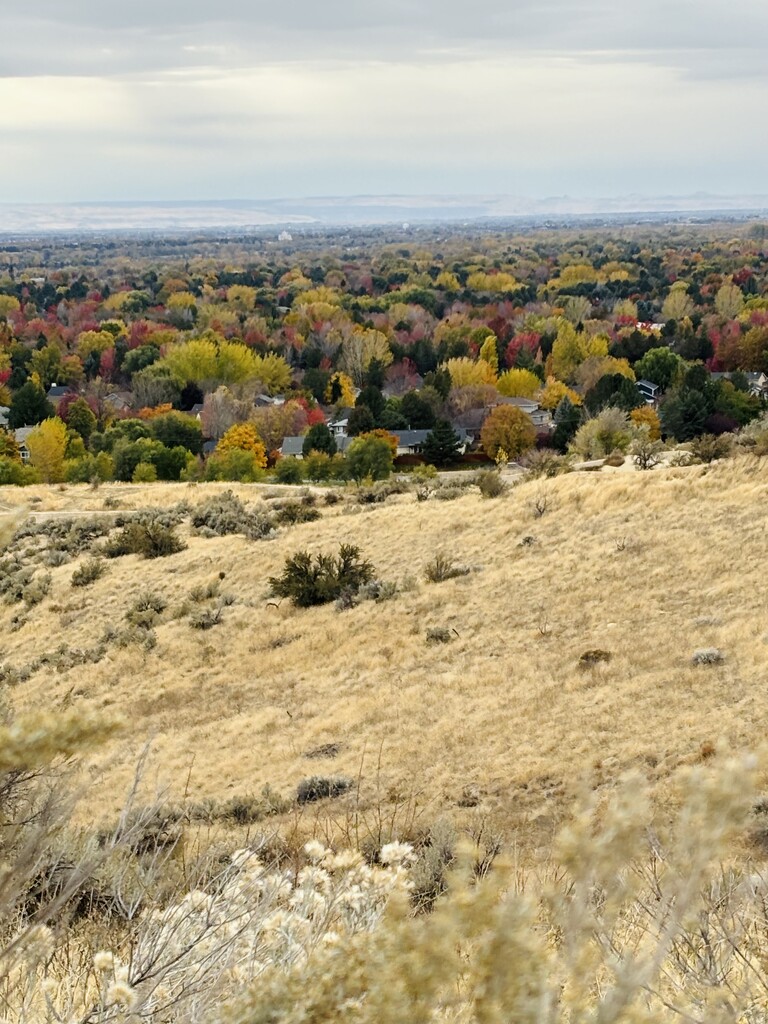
[[401, 210]]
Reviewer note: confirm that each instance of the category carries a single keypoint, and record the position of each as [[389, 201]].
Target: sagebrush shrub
[[150, 540], [87, 573], [226, 514], [442, 567], [490, 483], [709, 447]]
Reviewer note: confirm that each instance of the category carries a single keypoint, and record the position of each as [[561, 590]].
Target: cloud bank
[[171, 99]]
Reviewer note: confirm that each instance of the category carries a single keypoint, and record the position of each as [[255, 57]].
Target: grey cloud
[[92, 38]]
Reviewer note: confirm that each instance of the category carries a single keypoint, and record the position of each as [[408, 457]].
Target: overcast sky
[[194, 99]]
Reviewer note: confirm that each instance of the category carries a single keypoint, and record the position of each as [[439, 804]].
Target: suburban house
[[119, 401], [649, 391], [20, 436], [409, 442], [542, 418], [263, 401], [758, 384], [55, 393], [294, 445], [757, 381], [338, 427]]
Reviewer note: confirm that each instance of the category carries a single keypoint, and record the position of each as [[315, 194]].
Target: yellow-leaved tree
[[8, 304], [554, 391], [518, 383], [465, 371], [94, 341], [241, 297], [243, 437], [571, 348], [47, 445], [360, 349], [489, 353], [678, 303], [340, 390], [729, 300]]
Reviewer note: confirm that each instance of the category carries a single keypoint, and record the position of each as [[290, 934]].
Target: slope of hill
[[501, 723]]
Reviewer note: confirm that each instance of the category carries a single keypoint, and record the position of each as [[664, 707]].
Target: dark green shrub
[[309, 581], [594, 657], [293, 512], [289, 471], [320, 787]]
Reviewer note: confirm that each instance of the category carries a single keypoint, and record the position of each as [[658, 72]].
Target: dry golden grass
[[646, 566]]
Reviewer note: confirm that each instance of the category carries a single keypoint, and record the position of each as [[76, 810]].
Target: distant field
[[501, 724]]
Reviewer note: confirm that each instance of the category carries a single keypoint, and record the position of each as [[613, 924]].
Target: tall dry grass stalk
[[623, 925]]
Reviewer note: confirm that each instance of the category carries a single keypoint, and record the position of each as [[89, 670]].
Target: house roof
[[647, 384], [119, 398], [269, 400], [57, 391], [295, 445], [292, 446], [526, 404], [21, 434]]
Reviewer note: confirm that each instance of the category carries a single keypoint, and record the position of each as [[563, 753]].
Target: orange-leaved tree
[[507, 429], [646, 416]]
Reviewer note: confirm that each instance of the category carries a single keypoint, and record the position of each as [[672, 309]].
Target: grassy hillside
[[502, 723]]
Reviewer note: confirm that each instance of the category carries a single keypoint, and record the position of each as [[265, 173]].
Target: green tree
[[46, 363], [176, 429], [319, 439], [29, 406], [360, 421], [235, 464], [139, 358], [369, 456], [418, 412], [81, 419], [684, 414], [440, 380], [289, 471], [660, 366], [567, 417], [441, 445], [616, 390], [372, 397]]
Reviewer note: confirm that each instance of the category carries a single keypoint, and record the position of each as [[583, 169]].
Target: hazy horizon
[[153, 101]]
